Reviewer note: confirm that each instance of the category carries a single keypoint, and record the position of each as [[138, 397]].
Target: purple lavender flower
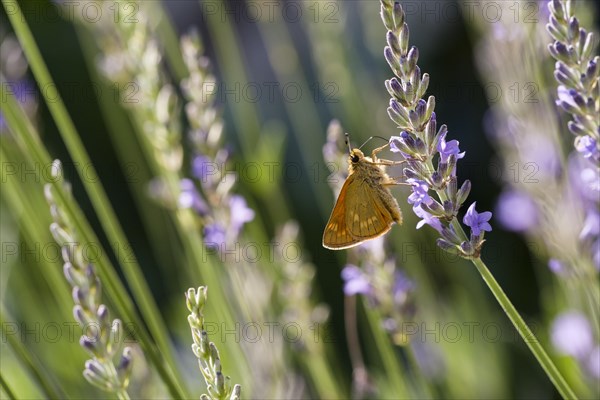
[[477, 221], [572, 334], [593, 363], [191, 198], [240, 213], [355, 281], [587, 147], [591, 225], [402, 288], [201, 166], [214, 235], [516, 211], [557, 266], [420, 192], [446, 149], [428, 219]]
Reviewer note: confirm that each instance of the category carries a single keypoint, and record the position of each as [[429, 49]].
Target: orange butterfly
[[365, 208]]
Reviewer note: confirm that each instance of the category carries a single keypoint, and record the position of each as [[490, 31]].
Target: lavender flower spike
[[577, 73], [431, 160]]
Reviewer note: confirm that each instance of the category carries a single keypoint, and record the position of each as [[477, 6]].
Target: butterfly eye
[[354, 158]]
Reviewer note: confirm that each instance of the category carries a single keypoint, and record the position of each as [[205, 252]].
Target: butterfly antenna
[[347, 141], [372, 137]]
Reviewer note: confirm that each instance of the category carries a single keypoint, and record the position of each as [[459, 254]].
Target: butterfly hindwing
[[367, 216]]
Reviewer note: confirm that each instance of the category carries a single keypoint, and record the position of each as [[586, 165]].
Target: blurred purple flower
[[477, 221], [428, 219], [593, 364], [446, 149], [355, 281], [516, 211], [572, 334], [240, 213], [191, 198], [403, 286], [557, 266], [420, 192], [596, 254], [591, 225], [201, 166], [214, 235]]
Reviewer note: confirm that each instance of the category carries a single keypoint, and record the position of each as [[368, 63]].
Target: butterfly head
[[356, 156]]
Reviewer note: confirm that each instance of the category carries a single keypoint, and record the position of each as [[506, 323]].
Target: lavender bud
[[80, 315], [576, 129], [403, 38], [73, 277], [396, 86], [561, 49], [448, 209], [398, 15], [392, 41], [413, 116], [410, 174], [95, 367], [451, 166], [397, 118], [443, 130], [125, 364], [410, 93], [430, 107], [451, 189], [79, 295], [573, 29], [412, 58], [102, 315], [436, 180], [420, 146], [387, 19], [392, 61], [420, 109], [434, 208], [59, 234], [588, 46], [463, 192], [450, 235], [447, 246], [424, 84], [578, 98], [467, 248], [556, 8], [564, 79], [88, 344], [430, 132], [557, 30], [415, 81], [591, 72]]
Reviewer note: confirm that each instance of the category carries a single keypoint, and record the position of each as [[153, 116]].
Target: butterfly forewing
[[336, 235]]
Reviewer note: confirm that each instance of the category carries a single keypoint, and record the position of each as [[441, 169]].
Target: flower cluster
[[420, 142], [577, 72], [209, 194], [101, 338], [218, 385]]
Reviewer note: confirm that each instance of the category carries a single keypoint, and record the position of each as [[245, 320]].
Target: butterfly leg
[[377, 150]]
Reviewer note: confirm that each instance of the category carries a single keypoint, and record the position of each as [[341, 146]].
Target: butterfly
[[365, 208]]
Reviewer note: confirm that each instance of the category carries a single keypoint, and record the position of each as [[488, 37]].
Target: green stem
[[528, 337]]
